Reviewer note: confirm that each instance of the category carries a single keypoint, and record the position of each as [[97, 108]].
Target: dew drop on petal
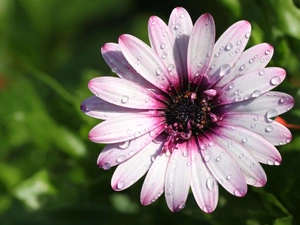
[[121, 159], [139, 58], [276, 163], [162, 45], [210, 144], [158, 71], [239, 42], [203, 146], [206, 158], [251, 165], [228, 47], [269, 128], [124, 144], [218, 159], [271, 113], [225, 70], [170, 67], [282, 100], [267, 52], [275, 80], [106, 166], [210, 183], [181, 205], [256, 93], [242, 67], [270, 162], [238, 192], [261, 72], [182, 15], [124, 99], [232, 85], [247, 35], [228, 177], [244, 140], [164, 55], [120, 185], [251, 60]]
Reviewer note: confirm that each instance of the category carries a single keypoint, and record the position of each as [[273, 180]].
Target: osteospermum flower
[[189, 112]]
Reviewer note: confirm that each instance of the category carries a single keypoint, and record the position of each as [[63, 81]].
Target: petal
[[254, 58], [204, 185], [261, 81], [178, 178], [259, 147], [228, 50], [254, 173], [271, 100], [115, 59], [274, 132], [124, 93], [133, 169], [114, 154], [200, 47], [180, 24], [124, 128], [162, 42], [154, 182], [223, 166], [145, 61], [100, 109]]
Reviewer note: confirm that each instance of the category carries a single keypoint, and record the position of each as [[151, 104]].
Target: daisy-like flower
[[188, 112]]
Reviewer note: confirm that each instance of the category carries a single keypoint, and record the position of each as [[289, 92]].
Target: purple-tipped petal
[[153, 185], [129, 127], [178, 178], [124, 93], [254, 58], [100, 109], [134, 168], [259, 147], [200, 47], [114, 154], [115, 59], [261, 81], [162, 42], [261, 105], [253, 172], [204, 185], [145, 61], [274, 132], [228, 50], [223, 166], [181, 25]]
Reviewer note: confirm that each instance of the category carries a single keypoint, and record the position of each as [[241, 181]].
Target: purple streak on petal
[[180, 24], [253, 172], [204, 185], [124, 128], [134, 168], [223, 166], [153, 185], [124, 93], [115, 59], [271, 100], [100, 109], [145, 61], [254, 58], [274, 132], [114, 154], [178, 178], [228, 50], [162, 42], [200, 47], [261, 81]]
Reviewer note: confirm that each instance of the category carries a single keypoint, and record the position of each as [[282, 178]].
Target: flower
[[188, 112]]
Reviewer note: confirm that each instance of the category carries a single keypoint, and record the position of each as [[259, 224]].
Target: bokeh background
[[50, 49]]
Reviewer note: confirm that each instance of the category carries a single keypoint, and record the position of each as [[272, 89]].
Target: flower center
[[187, 115]]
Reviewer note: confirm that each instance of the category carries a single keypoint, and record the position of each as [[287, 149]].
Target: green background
[[50, 49]]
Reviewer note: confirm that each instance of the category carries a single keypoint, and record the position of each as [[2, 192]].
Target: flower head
[[188, 112]]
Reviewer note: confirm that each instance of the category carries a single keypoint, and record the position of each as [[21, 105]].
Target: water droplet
[[251, 165], [210, 144], [158, 71], [124, 144], [139, 58], [247, 35], [269, 128], [275, 80], [256, 118], [121, 159], [241, 156], [261, 72], [218, 159], [244, 140], [282, 100], [181, 205], [217, 54], [128, 131], [203, 146], [256, 93], [146, 99], [271, 114], [276, 163], [228, 177], [232, 85], [124, 99], [251, 60], [210, 183], [242, 67], [225, 70], [185, 153], [106, 166], [239, 42], [228, 47], [239, 192], [120, 185], [182, 15], [176, 27], [206, 158], [137, 134], [111, 60], [267, 52], [164, 55], [270, 162], [170, 67], [237, 50], [253, 125], [162, 45], [89, 107]]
